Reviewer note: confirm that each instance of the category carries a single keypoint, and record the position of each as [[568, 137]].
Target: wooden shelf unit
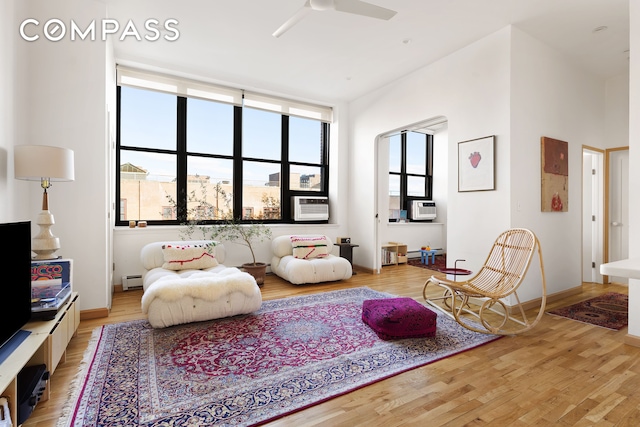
[[394, 253], [46, 344]]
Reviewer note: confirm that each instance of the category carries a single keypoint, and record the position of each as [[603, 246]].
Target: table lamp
[[45, 164]]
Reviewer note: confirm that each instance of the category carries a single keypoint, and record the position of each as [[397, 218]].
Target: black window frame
[[405, 199], [181, 153]]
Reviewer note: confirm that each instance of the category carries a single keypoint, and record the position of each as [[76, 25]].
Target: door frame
[[607, 183], [598, 195]]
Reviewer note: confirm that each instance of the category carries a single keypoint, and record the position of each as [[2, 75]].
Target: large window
[[191, 158], [410, 168]]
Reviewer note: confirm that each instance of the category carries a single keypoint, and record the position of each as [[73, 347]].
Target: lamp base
[[45, 244]]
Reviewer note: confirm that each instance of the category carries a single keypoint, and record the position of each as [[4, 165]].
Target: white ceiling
[[333, 56]]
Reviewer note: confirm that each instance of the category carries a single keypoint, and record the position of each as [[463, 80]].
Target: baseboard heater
[[131, 282]]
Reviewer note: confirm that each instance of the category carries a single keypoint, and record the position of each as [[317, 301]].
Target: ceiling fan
[[356, 7]]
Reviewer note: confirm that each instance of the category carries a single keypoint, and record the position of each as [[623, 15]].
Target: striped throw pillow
[[306, 247]]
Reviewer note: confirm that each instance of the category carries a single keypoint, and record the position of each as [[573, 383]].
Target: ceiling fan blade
[[301, 13], [363, 8]]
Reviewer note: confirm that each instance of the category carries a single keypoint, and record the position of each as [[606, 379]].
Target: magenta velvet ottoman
[[397, 318]]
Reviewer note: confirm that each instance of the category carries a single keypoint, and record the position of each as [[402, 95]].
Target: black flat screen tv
[[15, 253]]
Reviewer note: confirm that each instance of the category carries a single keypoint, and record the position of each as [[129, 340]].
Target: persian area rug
[[441, 262], [610, 310], [249, 369]]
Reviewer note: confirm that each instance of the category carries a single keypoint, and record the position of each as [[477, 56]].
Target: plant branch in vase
[[199, 209], [246, 235]]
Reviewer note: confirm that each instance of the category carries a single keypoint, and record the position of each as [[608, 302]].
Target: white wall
[[517, 88], [109, 154], [469, 88], [7, 121], [551, 97], [415, 235], [62, 102], [634, 154], [10, 210], [617, 112], [441, 179]]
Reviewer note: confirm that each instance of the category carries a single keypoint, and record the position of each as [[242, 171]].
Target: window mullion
[[237, 162], [285, 171], [428, 182], [181, 161], [403, 170], [118, 175], [325, 157]]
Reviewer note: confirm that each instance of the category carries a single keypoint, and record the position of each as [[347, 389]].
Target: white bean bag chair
[[182, 288], [307, 258]]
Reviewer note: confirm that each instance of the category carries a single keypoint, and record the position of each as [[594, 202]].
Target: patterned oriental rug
[[246, 370], [610, 310]]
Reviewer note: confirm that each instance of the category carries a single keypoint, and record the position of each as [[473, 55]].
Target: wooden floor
[[562, 373]]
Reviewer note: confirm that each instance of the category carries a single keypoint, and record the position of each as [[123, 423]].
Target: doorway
[[593, 214], [605, 211], [438, 127], [617, 202]]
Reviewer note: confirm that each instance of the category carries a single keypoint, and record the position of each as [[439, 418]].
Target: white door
[[618, 208], [592, 215]]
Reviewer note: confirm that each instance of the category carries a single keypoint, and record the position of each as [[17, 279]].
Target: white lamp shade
[[34, 162]]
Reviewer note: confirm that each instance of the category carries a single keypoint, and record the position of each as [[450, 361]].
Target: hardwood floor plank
[[627, 413], [598, 414], [560, 373]]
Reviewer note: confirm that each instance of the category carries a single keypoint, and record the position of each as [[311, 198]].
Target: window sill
[[413, 224]]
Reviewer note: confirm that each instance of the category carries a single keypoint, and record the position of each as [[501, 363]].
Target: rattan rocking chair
[[477, 303]]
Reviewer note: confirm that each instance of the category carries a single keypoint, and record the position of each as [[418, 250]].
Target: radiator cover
[[131, 282]]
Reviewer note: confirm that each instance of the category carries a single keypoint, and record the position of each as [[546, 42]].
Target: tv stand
[[12, 343], [46, 344]]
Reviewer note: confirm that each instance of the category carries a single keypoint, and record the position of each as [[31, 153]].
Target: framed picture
[[476, 167], [555, 175]]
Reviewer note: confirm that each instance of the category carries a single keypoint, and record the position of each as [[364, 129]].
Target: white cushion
[[190, 256], [305, 247], [281, 245], [299, 271], [154, 274], [173, 297], [316, 270], [195, 295], [152, 256]]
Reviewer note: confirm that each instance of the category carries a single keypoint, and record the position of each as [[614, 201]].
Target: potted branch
[[230, 229], [247, 235]]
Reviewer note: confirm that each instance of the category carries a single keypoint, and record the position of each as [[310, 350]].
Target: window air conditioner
[[423, 210], [310, 208]]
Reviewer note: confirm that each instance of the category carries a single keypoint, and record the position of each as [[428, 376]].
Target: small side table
[[424, 256], [346, 252]]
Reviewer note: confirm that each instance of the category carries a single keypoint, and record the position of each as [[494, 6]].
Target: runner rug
[[246, 370], [610, 310]]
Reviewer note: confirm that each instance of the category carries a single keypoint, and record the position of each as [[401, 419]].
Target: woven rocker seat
[[477, 303]]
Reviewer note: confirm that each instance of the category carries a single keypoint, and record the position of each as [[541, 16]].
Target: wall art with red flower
[[476, 168]]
